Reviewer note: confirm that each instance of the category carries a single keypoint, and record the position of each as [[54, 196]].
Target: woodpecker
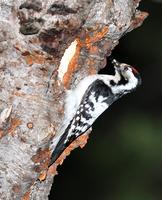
[[91, 97]]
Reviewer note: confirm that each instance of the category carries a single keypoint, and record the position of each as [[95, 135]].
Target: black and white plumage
[[92, 96]]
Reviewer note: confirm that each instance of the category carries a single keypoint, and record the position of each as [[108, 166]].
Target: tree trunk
[[46, 48]]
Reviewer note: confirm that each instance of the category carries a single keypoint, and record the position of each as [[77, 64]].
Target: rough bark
[[35, 73]]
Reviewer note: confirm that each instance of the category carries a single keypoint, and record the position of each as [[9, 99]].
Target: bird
[[89, 99]]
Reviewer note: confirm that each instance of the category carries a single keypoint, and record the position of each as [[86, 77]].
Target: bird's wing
[[95, 101]]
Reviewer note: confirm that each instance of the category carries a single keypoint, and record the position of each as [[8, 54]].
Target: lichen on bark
[[34, 36]]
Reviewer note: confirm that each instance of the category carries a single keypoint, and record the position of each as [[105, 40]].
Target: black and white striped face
[[128, 73]]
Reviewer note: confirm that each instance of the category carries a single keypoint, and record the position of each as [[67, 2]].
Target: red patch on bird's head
[[134, 71], [137, 75]]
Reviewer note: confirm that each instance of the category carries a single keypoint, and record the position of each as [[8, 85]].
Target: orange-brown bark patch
[[34, 57], [80, 141], [26, 196], [97, 35], [93, 50], [19, 94], [29, 59], [38, 58], [14, 124], [52, 170], [42, 175], [42, 157]]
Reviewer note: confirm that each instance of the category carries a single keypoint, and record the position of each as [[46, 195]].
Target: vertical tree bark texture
[[47, 47]]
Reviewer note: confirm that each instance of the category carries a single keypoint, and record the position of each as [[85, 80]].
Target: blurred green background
[[123, 157]]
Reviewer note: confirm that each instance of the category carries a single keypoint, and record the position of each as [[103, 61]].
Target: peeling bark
[[47, 47]]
